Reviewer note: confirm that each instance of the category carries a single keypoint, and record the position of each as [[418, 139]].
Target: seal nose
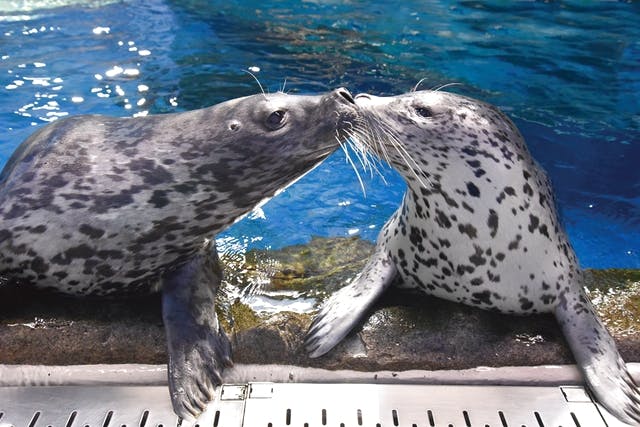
[[345, 94]]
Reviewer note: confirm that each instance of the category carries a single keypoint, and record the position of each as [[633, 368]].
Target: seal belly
[[468, 250]]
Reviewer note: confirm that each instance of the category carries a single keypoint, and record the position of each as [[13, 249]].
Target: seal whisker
[[358, 143], [257, 81], [376, 164], [371, 162], [364, 142], [353, 166], [360, 154], [415, 88], [393, 140], [408, 160], [385, 138], [413, 165], [361, 144], [376, 138], [368, 143], [439, 88], [352, 140]]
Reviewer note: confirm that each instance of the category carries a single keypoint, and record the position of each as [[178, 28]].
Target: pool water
[[568, 73]]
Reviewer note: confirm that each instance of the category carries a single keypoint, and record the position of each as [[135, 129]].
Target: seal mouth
[[321, 153]]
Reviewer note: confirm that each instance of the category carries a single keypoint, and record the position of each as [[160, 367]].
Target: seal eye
[[276, 119], [424, 111]]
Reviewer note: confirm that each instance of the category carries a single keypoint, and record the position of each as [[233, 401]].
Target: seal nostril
[[346, 95], [363, 95]]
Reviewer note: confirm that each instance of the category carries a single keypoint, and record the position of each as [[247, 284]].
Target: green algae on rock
[[319, 267], [616, 296]]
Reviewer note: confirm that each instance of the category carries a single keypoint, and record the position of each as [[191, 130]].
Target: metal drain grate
[[306, 405], [80, 406], [316, 405]]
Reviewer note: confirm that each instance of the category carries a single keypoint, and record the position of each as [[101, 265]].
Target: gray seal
[[478, 225], [100, 206]]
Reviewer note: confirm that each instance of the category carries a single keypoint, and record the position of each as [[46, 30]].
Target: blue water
[[568, 73]]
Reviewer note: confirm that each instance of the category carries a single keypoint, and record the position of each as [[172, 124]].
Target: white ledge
[[129, 374]]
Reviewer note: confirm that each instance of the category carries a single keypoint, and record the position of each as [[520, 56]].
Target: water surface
[[568, 73]]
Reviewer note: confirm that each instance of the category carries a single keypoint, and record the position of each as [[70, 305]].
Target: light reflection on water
[[121, 81], [279, 302]]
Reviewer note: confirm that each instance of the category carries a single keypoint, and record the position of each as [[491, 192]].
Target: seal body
[[94, 205], [478, 225]]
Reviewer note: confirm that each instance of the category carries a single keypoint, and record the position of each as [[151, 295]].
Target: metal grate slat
[[306, 405]]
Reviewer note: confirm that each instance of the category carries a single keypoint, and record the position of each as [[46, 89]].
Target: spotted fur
[[478, 225], [94, 205]]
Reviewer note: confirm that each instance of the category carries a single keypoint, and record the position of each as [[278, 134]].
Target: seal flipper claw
[[342, 311], [597, 356], [190, 413], [206, 389], [198, 347]]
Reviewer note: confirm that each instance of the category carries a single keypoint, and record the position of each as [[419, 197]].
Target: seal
[[100, 206], [478, 225]]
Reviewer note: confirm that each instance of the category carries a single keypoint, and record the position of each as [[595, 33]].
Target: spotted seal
[[478, 225], [95, 205]]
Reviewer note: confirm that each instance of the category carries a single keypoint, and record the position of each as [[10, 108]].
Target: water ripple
[[567, 72]]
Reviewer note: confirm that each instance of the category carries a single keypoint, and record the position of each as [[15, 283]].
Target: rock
[[317, 268], [616, 295], [403, 332], [40, 328]]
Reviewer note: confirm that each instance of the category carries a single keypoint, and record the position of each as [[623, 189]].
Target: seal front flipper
[[198, 347], [342, 311], [597, 356]]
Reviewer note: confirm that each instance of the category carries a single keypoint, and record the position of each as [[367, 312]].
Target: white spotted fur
[[478, 225]]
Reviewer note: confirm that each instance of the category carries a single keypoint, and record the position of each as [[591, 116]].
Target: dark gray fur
[[94, 205], [478, 225]]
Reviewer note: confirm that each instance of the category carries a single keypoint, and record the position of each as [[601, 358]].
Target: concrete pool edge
[[139, 374]]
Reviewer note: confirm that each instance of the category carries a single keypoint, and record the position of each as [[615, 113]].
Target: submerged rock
[[317, 268], [404, 331]]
